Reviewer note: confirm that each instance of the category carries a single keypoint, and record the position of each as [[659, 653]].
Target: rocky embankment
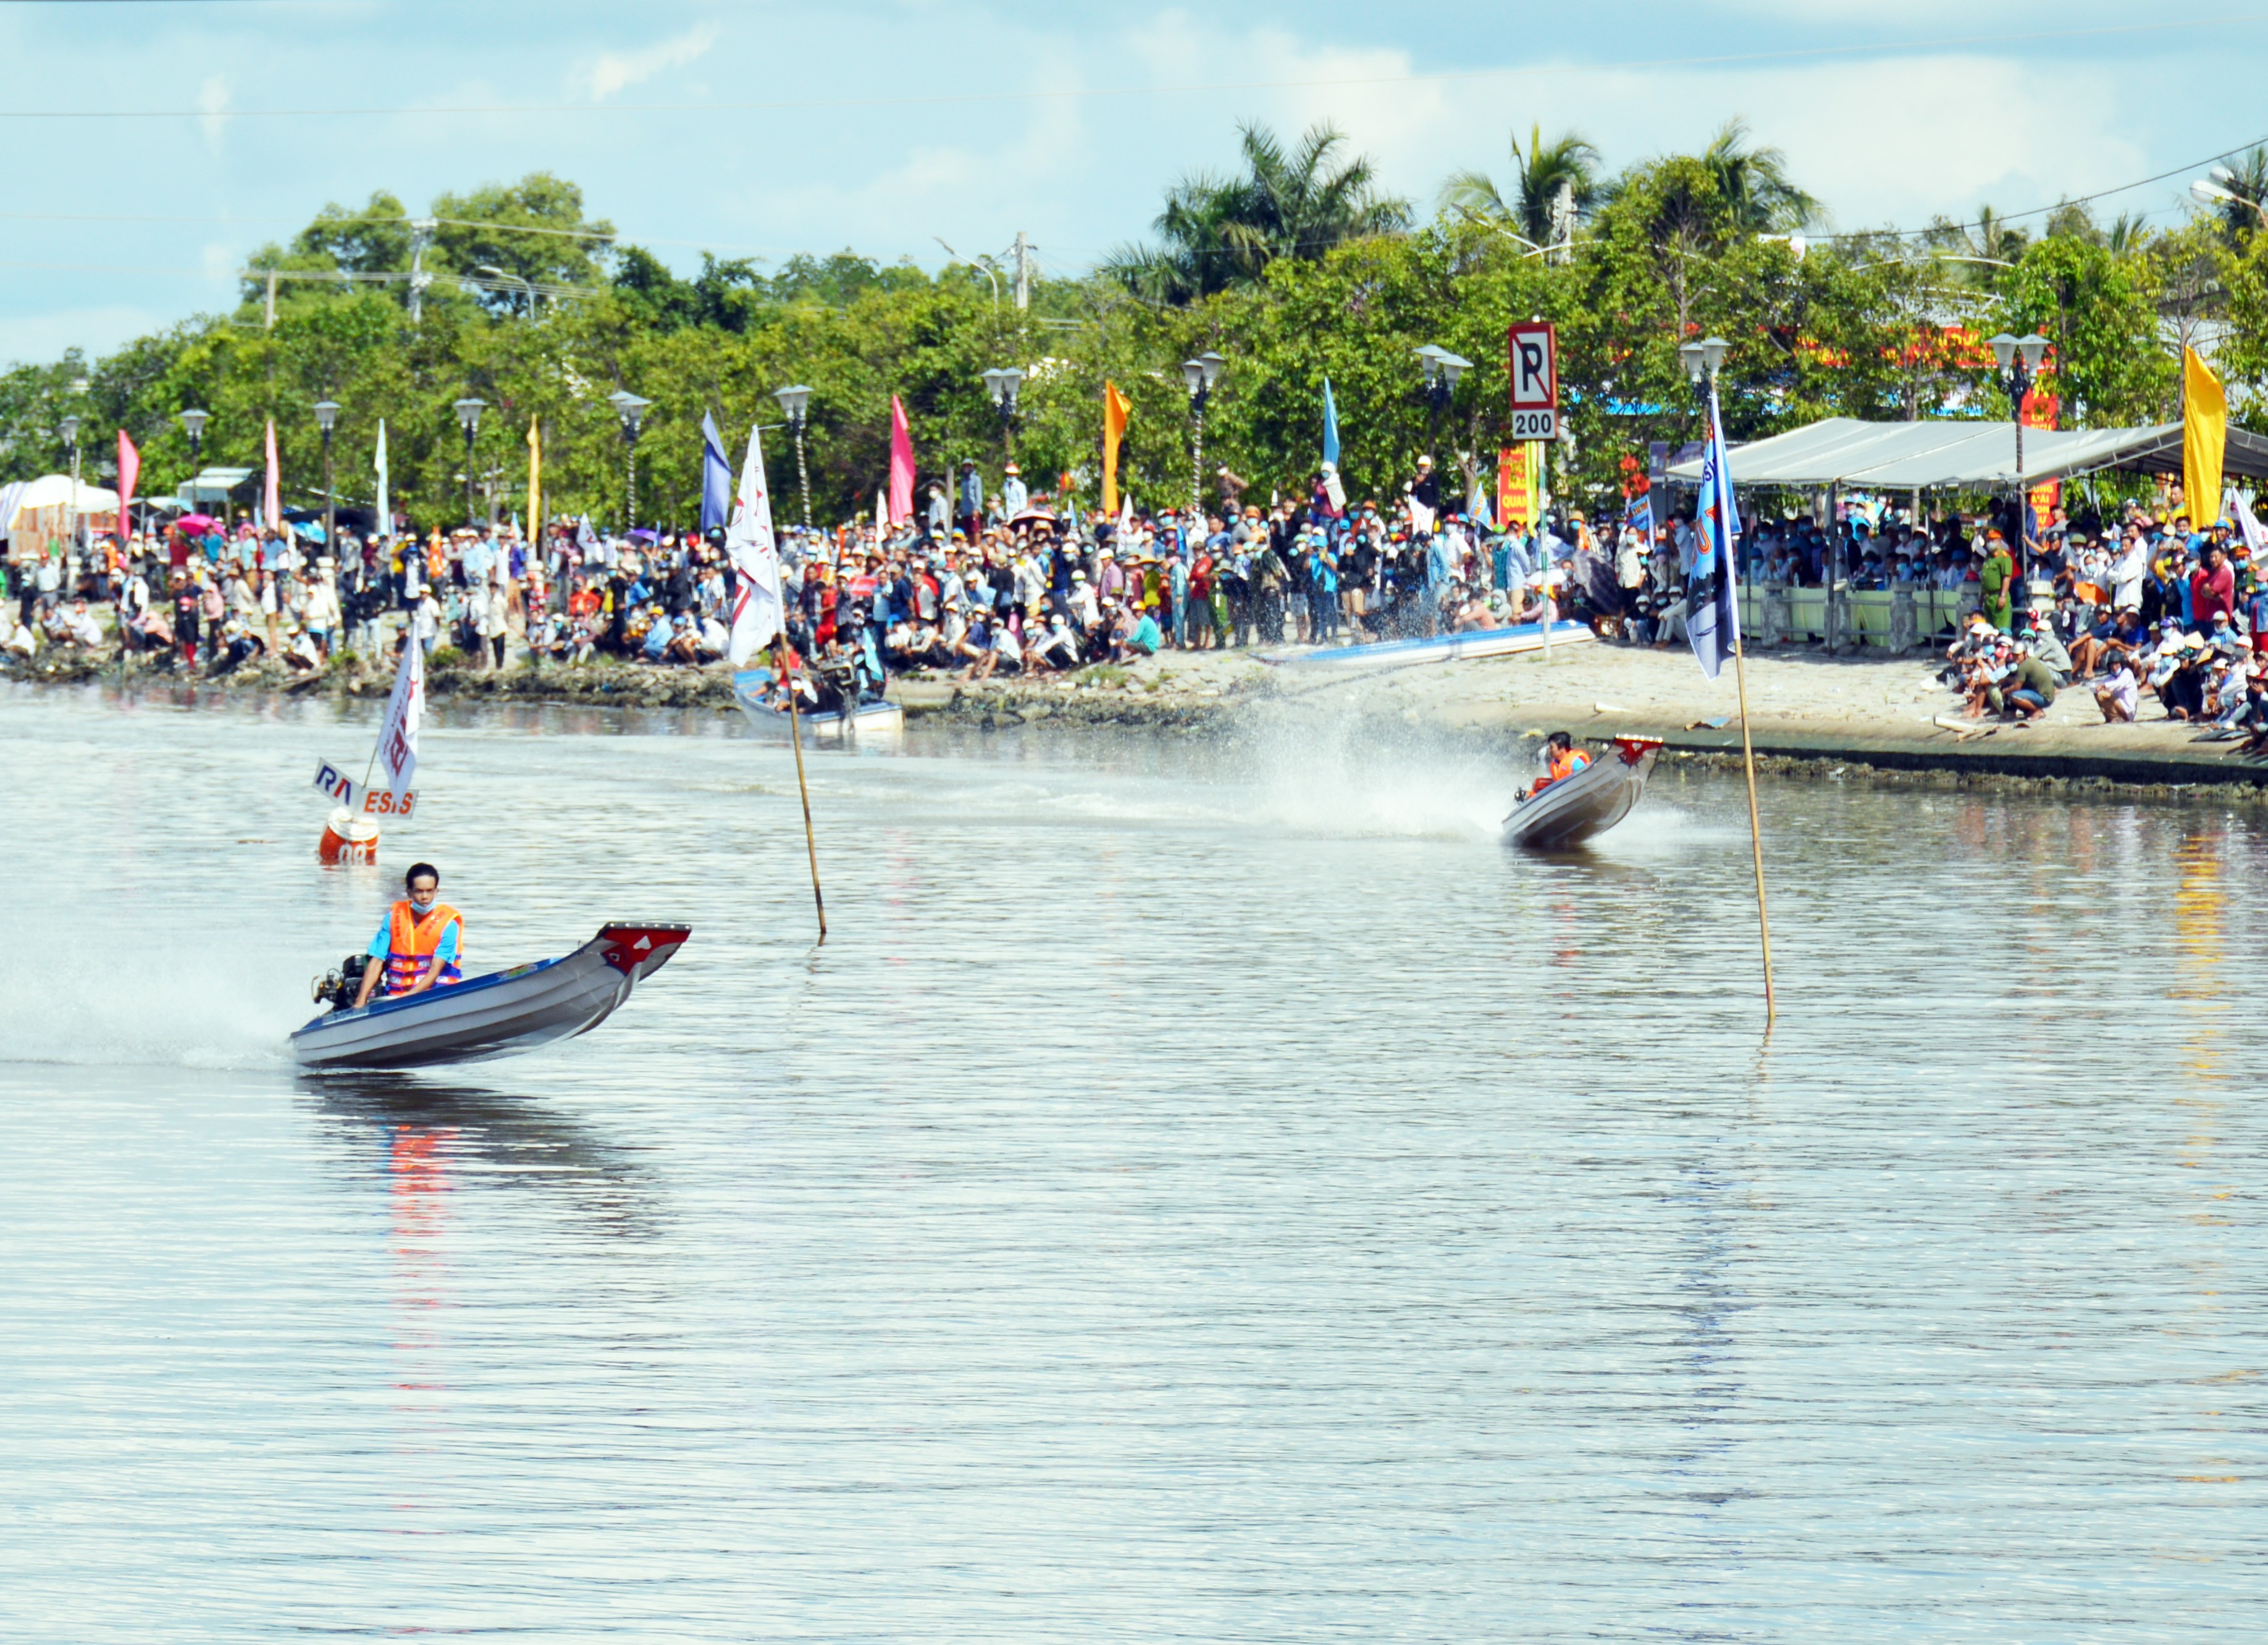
[[1807, 713]]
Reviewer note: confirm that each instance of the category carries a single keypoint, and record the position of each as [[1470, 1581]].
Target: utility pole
[[271, 300], [422, 230], [1023, 270]]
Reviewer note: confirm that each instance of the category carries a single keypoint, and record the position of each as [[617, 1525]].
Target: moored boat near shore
[[750, 688], [1510, 640]]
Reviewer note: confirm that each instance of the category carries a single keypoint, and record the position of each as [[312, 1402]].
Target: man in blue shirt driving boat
[[419, 945], [1562, 760]]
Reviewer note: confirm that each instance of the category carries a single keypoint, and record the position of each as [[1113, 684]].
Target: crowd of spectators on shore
[[1032, 591], [2142, 602]]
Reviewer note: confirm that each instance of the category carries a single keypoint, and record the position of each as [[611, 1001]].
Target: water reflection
[[440, 1138]]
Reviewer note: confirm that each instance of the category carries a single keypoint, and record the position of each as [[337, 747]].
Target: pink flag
[[130, 470], [274, 483], [902, 465]]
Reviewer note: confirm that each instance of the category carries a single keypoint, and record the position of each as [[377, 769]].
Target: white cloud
[[1880, 141], [617, 71], [213, 98], [95, 330]]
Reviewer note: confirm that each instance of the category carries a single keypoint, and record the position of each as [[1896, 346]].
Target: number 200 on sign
[[1534, 425]]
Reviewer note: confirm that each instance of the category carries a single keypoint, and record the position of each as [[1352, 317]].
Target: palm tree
[[1195, 259], [2248, 180], [1297, 204], [2129, 231], [1976, 249], [1752, 183], [1565, 169]]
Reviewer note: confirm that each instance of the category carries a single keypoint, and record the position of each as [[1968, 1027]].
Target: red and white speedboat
[[1594, 799], [494, 1016]]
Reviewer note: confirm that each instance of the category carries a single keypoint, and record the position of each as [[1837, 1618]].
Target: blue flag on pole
[[1330, 426], [1712, 612], [1637, 515], [716, 476]]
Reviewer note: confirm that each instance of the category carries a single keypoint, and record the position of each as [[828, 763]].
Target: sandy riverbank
[[1867, 710]]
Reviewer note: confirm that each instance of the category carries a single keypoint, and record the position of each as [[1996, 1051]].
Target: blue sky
[[891, 125]]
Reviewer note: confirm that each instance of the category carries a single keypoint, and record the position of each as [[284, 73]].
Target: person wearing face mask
[[420, 946]]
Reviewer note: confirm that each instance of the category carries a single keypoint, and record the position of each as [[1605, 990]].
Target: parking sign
[[1535, 349]]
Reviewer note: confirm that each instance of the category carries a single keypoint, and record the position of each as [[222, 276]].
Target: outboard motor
[[335, 988]]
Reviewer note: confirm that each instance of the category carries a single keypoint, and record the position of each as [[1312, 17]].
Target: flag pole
[[795, 736], [1756, 832], [1722, 534]]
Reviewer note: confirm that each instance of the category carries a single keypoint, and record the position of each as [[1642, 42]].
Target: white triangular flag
[[754, 552], [397, 733]]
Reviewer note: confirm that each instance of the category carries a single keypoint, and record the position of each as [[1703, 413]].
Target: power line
[[2081, 200], [1084, 94]]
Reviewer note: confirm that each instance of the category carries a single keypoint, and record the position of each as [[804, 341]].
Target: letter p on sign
[[1535, 375]]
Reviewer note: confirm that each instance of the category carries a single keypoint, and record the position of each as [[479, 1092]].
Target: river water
[[1194, 1193]]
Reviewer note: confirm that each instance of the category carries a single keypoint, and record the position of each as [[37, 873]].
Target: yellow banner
[[534, 484], [1515, 488], [1115, 409], [2204, 440]]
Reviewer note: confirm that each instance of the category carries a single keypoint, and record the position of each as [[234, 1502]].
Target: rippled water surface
[[1193, 1194]]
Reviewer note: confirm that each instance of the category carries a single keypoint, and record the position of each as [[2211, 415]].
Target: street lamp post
[[2213, 194], [70, 428], [630, 409], [2020, 359], [1002, 382], [469, 418], [1442, 371], [327, 417], [1200, 374], [192, 423], [795, 400], [526, 286]]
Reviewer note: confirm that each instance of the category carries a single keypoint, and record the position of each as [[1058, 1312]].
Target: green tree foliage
[[2096, 308], [533, 230], [1296, 202], [1298, 271], [1566, 168]]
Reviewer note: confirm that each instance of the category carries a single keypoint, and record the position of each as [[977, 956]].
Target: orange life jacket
[[1565, 763], [410, 941]]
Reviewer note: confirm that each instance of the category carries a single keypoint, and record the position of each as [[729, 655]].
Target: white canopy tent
[[1845, 451], [34, 513], [52, 491]]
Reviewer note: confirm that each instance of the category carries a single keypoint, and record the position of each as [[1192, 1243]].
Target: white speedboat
[[751, 688], [494, 1016], [1593, 800]]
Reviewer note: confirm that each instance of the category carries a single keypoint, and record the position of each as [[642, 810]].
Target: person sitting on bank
[[2120, 694], [1562, 760], [421, 943]]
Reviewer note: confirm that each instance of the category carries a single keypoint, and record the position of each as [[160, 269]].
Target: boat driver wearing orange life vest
[[421, 941], [1562, 760]]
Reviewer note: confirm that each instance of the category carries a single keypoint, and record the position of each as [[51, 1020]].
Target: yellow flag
[[2205, 439], [534, 482], [1115, 406]]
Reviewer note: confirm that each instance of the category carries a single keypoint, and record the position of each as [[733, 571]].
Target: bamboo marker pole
[[795, 736], [1756, 832]]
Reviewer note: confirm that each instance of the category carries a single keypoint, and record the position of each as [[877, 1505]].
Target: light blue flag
[[716, 476], [1713, 618], [1330, 426]]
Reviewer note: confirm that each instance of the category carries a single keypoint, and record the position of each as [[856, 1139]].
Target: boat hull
[[1446, 647], [1586, 805], [499, 1014], [872, 719]]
